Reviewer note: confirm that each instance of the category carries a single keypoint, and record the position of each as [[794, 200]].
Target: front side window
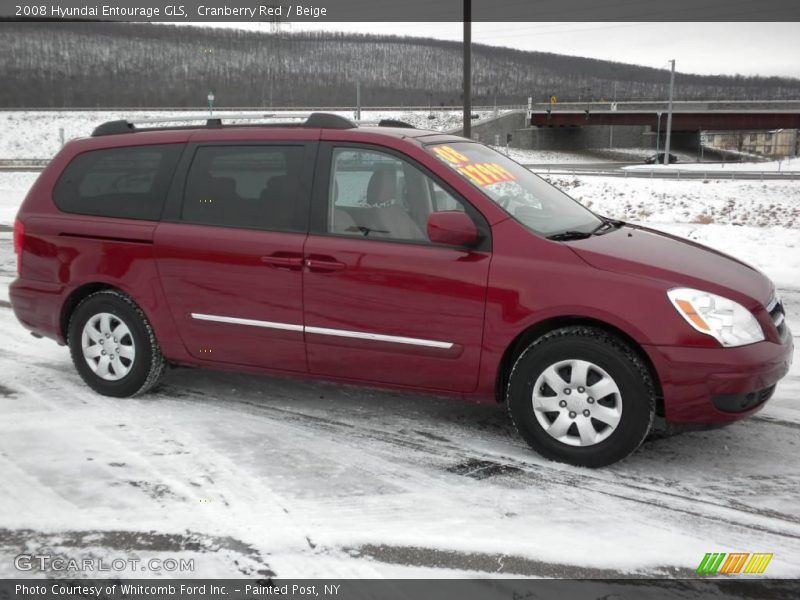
[[118, 182], [527, 197], [246, 186], [377, 195]]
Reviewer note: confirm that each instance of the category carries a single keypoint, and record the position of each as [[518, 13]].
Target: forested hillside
[[122, 64]]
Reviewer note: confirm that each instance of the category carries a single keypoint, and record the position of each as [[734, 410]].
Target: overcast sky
[[707, 48]]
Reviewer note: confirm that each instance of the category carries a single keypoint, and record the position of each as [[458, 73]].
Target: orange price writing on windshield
[[451, 155], [486, 173]]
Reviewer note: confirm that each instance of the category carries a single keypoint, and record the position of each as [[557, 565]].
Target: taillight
[[19, 240]]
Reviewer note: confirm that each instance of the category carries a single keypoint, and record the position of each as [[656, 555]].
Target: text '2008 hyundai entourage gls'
[[389, 256]]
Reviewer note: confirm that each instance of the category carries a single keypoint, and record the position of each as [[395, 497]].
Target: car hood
[[653, 254]]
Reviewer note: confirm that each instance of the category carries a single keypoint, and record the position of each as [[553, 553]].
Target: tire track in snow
[[158, 467], [544, 474], [133, 542], [423, 442], [504, 564], [429, 454]]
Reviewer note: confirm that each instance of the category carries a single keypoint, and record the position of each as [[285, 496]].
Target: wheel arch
[[145, 369], [74, 299], [536, 330]]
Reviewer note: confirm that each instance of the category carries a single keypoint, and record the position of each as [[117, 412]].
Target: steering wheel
[[505, 201]]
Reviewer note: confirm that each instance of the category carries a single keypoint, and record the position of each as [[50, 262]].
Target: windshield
[[525, 196]]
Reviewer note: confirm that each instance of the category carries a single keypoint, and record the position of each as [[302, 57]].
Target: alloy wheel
[[577, 403], [108, 346]]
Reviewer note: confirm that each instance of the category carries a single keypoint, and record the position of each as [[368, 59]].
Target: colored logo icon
[[734, 563]]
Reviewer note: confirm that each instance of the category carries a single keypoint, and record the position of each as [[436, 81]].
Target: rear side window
[[257, 187], [127, 183]]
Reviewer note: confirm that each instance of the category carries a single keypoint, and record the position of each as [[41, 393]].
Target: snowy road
[[254, 475]]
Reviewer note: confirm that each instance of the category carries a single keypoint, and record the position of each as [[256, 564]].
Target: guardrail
[[23, 164], [676, 175], [202, 109]]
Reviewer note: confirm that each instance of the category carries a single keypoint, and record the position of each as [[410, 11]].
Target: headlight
[[730, 323]]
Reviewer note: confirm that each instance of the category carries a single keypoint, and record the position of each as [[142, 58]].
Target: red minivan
[[387, 256]]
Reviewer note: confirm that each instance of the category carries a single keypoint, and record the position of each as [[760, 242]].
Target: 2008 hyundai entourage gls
[[389, 256]]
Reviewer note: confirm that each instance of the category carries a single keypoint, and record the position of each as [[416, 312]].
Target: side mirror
[[452, 227]]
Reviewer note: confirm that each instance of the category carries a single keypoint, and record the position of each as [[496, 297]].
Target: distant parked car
[[387, 256], [659, 159]]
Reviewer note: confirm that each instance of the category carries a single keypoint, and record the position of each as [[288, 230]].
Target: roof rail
[[395, 123], [111, 127], [329, 121], [313, 119]]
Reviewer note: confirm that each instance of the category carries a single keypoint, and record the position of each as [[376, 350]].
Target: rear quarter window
[[127, 182]]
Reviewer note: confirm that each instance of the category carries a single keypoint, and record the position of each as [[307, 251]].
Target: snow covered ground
[[253, 475], [35, 134], [639, 154], [789, 165], [533, 157], [726, 202], [13, 187]]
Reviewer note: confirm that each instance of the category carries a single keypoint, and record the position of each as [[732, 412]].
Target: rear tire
[[582, 396], [113, 346]]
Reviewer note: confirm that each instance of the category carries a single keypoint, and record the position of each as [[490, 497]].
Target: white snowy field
[[13, 187], [530, 157], [254, 475], [639, 154], [723, 202], [36, 134], [789, 165]]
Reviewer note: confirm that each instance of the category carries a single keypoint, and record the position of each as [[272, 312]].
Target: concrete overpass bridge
[[710, 120], [582, 125], [678, 105]]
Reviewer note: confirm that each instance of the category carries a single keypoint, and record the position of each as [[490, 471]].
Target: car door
[[382, 303], [229, 252]]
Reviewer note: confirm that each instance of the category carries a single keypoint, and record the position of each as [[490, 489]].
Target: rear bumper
[[37, 305], [718, 385]]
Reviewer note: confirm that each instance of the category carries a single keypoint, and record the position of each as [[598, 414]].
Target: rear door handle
[[318, 264], [283, 262]]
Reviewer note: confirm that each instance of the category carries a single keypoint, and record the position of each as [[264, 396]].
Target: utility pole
[[700, 143], [611, 129], [358, 100], [658, 136], [467, 68], [669, 112]]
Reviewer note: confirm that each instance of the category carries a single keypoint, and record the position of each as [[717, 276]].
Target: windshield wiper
[[606, 226], [569, 235]]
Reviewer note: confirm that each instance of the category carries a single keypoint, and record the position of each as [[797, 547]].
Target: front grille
[[741, 402], [778, 315]]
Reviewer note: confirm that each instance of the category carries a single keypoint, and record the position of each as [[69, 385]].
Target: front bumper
[[718, 385]]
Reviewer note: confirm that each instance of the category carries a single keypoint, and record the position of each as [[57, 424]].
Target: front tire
[[580, 395], [113, 346]]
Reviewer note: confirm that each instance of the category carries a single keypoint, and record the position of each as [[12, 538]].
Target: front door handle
[[324, 264], [283, 262]]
